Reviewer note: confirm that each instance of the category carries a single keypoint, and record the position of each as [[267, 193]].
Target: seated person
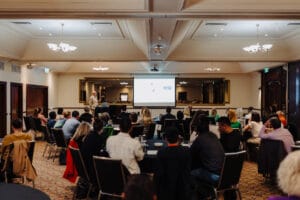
[[254, 125], [168, 115], [71, 125], [86, 116], [288, 176], [230, 138], [60, 122], [134, 118], [52, 120], [272, 130], [172, 176], [122, 146], [234, 123]]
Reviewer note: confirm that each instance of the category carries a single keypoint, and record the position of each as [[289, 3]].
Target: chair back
[[31, 150], [151, 131], [270, 154], [59, 137], [170, 122], [232, 168], [108, 169], [79, 164], [27, 123], [136, 131]]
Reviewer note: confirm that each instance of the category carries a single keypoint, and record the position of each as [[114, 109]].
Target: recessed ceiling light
[[215, 35], [182, 82], [212, 69], [100, 34], [41, 28], [100, 68], [50, 34], [266, 35], [123, 83]]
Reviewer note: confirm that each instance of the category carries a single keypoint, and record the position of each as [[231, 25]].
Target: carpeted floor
[[49, 180]]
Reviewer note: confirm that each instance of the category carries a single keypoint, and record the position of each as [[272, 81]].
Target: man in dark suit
[[172, 176]]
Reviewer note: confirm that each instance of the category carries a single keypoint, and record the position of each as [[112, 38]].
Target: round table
[[13, 191]]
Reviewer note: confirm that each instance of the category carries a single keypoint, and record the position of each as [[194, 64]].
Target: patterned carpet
[[49, 180]]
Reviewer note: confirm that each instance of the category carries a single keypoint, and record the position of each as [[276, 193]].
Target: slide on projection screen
[[154, 91]]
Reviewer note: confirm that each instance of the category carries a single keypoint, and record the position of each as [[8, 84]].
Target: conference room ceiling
[[150, 37]]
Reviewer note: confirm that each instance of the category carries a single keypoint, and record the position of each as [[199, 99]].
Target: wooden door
[[3, 112], [36, 96], [16, 96]]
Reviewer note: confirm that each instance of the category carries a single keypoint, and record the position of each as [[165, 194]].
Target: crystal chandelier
[[254, 48], [62, 46]]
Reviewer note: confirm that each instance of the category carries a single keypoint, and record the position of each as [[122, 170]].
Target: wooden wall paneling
[[3, 109], [36, 96], [16, 98]]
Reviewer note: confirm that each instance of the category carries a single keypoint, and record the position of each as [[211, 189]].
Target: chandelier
[[254, 48], [62, 46]]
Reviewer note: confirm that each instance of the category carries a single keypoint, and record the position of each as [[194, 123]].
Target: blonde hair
[[147, 119], [288, 174], [232, 116], [82, 131]]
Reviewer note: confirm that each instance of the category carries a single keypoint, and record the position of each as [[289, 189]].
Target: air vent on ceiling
[[294, 24], [215, 24], [101, 23], [21, 23]]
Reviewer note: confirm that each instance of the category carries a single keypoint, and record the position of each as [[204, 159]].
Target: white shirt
[[255, 128], [129, 150], [93, 102]]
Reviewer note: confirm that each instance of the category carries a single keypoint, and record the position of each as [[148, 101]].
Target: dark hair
[[275, 122], [52, 115], [17, 123], [180, 115], [139, 187], [224, 120], [202, 124], [86, 109], [125, 124], [171, 134], [133, 116], [168, 109], [250, 108], [255, 117], [75, 113], [60, 111], [98, 125]]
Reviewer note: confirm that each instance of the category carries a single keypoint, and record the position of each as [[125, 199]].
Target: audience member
[[86, 116], [93, 101], [172, 175], [71, 125], [168, 115], [194, 122], [52, 120], [104, 103], [254, 125], [76, 142], [230, 138], [17, 134], [234, 123], [288, 176], [134, 118], [122, 146], [214, 114], [124, 113], [91, 146], [60, 122], [272, 130], [146, 121], [139, 187], [39, 114], [60, 113], [248, 115], [105, 117], [207, 155]]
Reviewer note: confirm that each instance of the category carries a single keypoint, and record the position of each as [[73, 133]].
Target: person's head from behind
[[125, 124], [134, 117], [105, 117], [139, 187], [250, 109], [202, 124], [232, 115], [168, 110], [171, 135], [82, 130], [180, 115], [224, 124], [288, 174], [255, 117], [86, 109], [280, 113], [52, 115], [214, 112], [75, 114], [146, 112], [98, 125], [67, 114], [17, 124], [274, 122]]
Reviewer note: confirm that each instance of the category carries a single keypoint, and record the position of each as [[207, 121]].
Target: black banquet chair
[[111, 176], [61, 144], [231, 173], [81, 168]]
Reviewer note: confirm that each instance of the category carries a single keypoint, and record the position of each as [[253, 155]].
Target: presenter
[[93, 101]]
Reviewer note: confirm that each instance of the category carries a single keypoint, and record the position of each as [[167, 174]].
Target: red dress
[[70, 171]]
